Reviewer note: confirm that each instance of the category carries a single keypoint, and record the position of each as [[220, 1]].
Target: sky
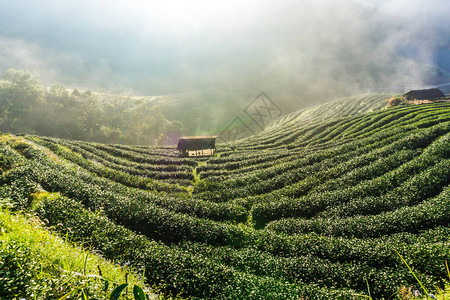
[[294, 50]]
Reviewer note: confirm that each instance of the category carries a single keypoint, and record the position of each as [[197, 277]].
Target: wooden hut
[[197, 145], [426, 94]]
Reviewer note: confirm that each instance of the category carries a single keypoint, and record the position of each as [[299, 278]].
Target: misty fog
[[298, 52]]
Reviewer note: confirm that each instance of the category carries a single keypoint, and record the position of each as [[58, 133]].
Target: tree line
[[26, 106]]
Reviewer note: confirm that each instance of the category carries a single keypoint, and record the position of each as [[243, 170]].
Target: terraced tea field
[[308, 208]]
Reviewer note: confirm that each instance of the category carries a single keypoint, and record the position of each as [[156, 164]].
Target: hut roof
[[198, 137], [424, 94], [192, 143]]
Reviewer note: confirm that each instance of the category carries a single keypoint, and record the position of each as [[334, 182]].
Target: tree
[[149, 126], [22, 94]]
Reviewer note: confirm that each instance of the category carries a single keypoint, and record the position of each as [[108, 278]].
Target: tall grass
[[37, 264]]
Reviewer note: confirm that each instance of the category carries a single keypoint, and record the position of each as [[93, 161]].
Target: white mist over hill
[[300, 52]]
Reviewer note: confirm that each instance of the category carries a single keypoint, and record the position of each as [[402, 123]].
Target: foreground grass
[[408, 292], [37, 264]]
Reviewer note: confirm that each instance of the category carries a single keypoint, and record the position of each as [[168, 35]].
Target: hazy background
[[299, 52]]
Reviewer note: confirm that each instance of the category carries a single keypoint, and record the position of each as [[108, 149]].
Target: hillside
[[343, 107], [312, 208], [38, 264]]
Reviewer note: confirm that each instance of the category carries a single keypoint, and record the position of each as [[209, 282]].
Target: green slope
[[37, 264], [344, 107], [307, 208]]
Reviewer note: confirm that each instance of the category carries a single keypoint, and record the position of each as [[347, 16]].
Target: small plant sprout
[[416, 293]]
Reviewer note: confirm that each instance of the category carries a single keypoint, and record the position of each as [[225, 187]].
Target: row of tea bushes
[[94, 191], [180, 271], [427, 214], [319, 200]]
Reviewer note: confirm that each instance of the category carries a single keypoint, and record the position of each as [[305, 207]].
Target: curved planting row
[[315, 167], [142, 157], [108, 161], [100, 193], [323, 196]]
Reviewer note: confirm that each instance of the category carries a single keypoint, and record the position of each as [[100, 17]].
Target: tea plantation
[[311, 207]]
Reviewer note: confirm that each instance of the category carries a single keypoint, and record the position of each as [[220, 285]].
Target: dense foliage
[[28, 107], [315, 209], [37, 264]]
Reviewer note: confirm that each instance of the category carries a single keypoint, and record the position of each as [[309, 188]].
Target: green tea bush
[[170, 266]]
